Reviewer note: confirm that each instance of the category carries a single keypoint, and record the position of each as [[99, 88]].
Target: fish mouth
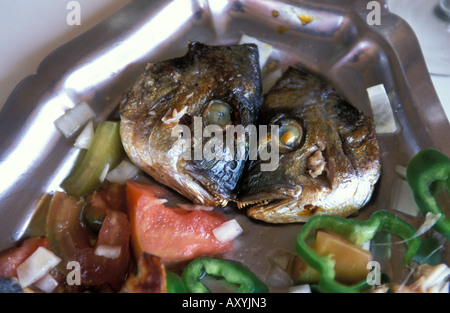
[[217, 179], [278, 210], [342, 201], [196, 188], [261, 204], [278, 197], [219, 199]]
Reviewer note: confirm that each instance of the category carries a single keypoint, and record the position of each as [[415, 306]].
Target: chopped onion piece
[[104, 173], [383, 115], [36, 266], [366, 245], [445, 288], [227, 231], [72, 120], [400, 170], [300, 289], [436, 278], [195, 207], [47, 283], [430, 220], [269, 80], [403, 199], [84, 139], [107, 251], [264, 49], [122, 172]]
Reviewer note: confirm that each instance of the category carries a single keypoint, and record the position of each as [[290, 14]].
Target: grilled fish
[[219, 84], [329, 157]]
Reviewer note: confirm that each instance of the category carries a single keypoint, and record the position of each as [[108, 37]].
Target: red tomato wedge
[[173, 234]]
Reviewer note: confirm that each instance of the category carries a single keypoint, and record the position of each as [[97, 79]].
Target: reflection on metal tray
[[98, 67]]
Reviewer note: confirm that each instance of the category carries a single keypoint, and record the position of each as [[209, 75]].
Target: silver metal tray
[[100, 65]]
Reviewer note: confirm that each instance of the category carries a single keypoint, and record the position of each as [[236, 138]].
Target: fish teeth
[[241, 205], [222, 202]]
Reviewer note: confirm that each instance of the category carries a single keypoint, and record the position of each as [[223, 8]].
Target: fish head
[[328, 154], [179, 108]]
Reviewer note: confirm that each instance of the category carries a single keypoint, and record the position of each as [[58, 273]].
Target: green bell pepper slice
[[174, 283], [105, 149], [232, 271], [357, 232], [427, 167]]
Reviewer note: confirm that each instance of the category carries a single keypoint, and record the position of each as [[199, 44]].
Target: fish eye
[[217, 113], [290, 134]]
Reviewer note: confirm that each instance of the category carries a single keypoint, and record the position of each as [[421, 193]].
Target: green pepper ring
[[232, 271], [424, 168], [356, 232]]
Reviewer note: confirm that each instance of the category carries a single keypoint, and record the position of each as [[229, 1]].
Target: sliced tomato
[[69, 239], [173, 234], [11, 258]]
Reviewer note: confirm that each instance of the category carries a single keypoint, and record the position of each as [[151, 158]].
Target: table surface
[[31, 29]]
